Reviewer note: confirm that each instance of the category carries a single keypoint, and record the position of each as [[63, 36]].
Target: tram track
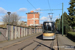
[[34, 43], [37, 47], [31, 44], [42, 44], [26, 46], [19, 42], [38, 44]]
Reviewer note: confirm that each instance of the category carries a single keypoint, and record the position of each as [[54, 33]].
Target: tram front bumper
[[49, 37]]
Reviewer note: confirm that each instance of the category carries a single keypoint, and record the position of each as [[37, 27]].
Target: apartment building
[[33, 18]]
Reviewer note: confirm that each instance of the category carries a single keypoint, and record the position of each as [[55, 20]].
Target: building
[[1, 23], [33, 18], [22, 23]]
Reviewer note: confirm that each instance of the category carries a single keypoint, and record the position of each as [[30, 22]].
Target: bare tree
[[13, 18], [5, 18]]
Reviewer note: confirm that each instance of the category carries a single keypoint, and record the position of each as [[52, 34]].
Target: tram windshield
[[48, 26]]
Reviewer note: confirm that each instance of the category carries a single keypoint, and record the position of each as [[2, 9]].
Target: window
[[48, 26]]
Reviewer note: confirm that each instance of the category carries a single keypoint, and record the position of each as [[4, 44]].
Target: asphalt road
[[32, 43]]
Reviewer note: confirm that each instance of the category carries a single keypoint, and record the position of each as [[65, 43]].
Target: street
[[34, 42]]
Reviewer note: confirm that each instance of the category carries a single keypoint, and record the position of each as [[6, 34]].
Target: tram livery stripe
[[48, 34]]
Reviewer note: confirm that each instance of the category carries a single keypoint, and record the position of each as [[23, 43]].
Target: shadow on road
[[68, 36], [71, 38], [40, 37], [44, 45]]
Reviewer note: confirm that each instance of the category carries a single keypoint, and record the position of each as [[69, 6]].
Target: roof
[[32, 13]]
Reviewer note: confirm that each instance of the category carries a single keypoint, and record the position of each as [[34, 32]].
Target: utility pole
[[8, 25], [62, 21], [59, 22], [50, 17]]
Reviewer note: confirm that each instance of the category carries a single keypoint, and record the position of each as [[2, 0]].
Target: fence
[[3, 34], [17, 32]]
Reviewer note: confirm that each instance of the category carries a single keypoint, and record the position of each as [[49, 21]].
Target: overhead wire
[[31, 5], [50, 9], [49, 5]]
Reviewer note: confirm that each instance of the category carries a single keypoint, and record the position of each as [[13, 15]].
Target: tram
[[48, 30]]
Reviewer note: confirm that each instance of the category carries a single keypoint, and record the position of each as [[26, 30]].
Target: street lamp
[[8, 17], [8, 13], [8, 24]]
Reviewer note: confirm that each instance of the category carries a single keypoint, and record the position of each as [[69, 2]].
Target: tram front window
[[48, 27]]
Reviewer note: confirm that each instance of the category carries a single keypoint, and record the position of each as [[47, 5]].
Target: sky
[[21, 7]]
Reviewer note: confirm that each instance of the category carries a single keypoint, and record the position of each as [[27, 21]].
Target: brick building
[[33, 18]]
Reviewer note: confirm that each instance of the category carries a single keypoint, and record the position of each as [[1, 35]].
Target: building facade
[[33, 18], [1, 23]]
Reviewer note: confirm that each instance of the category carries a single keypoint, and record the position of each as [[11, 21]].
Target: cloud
[[47, 18], [38, 9], [14, 12], [2, 10], [0, 17], [22, 9], [44, 18], [23, 17]]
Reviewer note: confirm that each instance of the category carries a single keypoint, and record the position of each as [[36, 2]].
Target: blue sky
[[21, 7]]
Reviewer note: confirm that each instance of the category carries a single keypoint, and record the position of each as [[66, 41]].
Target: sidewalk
[[3, 44], [64, 43]]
